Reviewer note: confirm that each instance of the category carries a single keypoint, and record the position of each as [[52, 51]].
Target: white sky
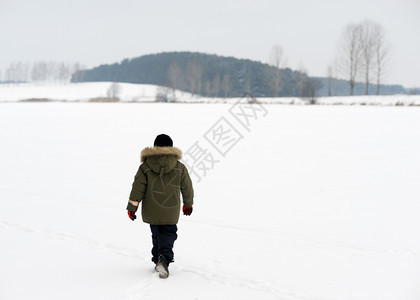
[[95, 32]]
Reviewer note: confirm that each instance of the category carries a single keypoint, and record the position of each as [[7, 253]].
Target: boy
[[158, 183]]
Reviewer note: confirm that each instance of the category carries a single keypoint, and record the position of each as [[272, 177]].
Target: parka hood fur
[[161, 159], [157, 151]]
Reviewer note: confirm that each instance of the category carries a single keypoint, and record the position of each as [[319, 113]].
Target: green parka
[[157, 185]]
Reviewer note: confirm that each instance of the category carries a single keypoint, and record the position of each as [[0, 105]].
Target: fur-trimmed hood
[[156, 151], [161, 159]]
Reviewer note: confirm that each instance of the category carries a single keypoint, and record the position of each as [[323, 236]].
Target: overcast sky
[[95, 32]]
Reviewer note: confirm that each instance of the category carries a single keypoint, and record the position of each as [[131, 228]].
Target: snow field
[[75, 91], [127, 92], [316, 202]]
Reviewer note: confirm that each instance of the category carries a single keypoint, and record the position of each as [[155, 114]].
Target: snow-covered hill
[[312, 202], [76, 91], [92, 91]]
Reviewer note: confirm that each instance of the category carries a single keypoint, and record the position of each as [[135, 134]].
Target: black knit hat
[[163, 140]]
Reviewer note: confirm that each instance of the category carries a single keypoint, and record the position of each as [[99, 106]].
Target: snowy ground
[[315, 202], [128, 92], [75, 91]]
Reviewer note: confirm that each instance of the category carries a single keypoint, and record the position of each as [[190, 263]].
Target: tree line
[[42, 71]]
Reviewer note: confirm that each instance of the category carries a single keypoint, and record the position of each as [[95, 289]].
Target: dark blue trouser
[[163, 237]]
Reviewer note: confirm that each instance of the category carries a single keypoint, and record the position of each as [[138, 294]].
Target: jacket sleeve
[[137, 191], [187, 190]]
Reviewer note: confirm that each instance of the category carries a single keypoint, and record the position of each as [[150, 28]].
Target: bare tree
[[335, 85], [162, 94], [39, 71], [301, 79], [16, 72], [330, 80], [277, 61], [382, 55], [248, 86], [311, 88], [114, 90], [193, 77], [198, 74], [78, 72], [208, 88], [26, 72], [10, 73], [367, 44], [414, 91], [52, 71], [216, 85], [19, 72], [349, 53], [226, 84], [308, 86], [63, 72], [175, 76]]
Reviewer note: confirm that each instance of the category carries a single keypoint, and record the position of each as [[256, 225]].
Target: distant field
[[100, 92]]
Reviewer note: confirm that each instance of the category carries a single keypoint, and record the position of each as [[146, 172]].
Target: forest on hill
[[211, 75]]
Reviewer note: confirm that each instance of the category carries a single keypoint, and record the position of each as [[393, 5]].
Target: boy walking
[[157, 185]]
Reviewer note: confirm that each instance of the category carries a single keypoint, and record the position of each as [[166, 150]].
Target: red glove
[[187, 210], [132, 215]]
